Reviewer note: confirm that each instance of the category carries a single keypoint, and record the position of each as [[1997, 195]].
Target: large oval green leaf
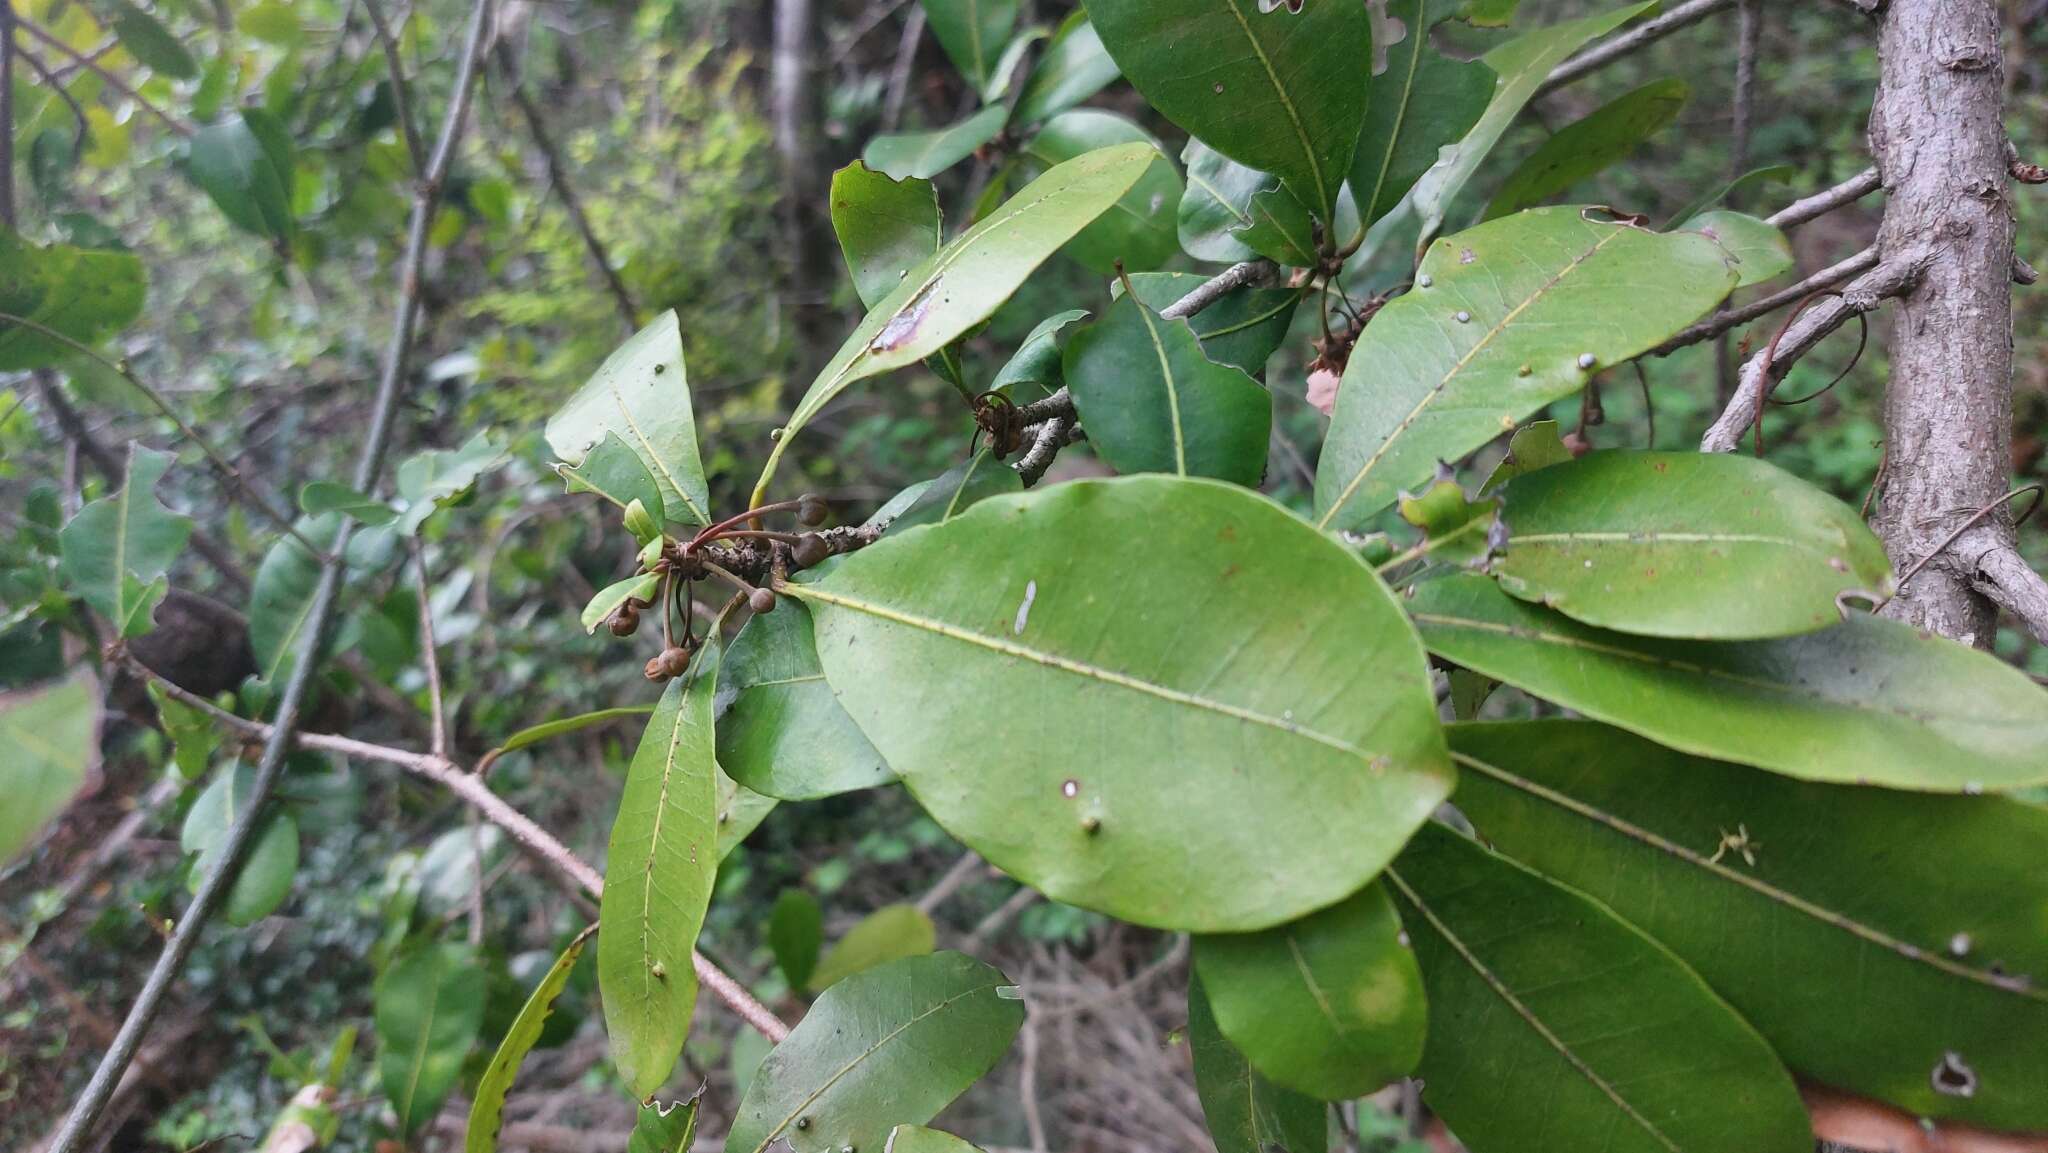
[[1072, 68], [1759, 250], [884, 935], [263, 879], [973, 33], [922, 155], [1584, 148], [1686, 544], [1153, 402], [1299, 748], [1916, 919], [1279, 87], [781, 732], [1246, 1113], [972, 276], [1139, 233], [1330, 1005], [114, 554], [487, 1111], [245, 164], [145, 38], [46, 740], [429, 1005], [641, 393], [1554, 1025], [1245, 327], [1869, 701], [281, 596], [1504, 319], [886, 228], [887, 1047], [1422, 102], [658, 876], [86, 294]]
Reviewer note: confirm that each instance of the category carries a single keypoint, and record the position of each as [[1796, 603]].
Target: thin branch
[[57, 86], [1648, 32], [963, 871], [1004, 913], [7, 111], [899, 72], [1721, 322], [78, 1124], [438, 717], [2000, 573], [113, 81], [1761, 373], [401, 95], [1052, 435], [1823, 202]]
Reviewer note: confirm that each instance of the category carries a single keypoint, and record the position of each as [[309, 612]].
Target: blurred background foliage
[[660, 115]]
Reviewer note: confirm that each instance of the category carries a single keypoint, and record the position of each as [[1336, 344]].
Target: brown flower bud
[[812, 510], [809, 549], [625, 621], [761, 601], [656, 670]]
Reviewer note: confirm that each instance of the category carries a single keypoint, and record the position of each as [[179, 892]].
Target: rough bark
[[1937, 133]]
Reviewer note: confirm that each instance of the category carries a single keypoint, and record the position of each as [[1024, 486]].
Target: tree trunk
[[1936, 130]]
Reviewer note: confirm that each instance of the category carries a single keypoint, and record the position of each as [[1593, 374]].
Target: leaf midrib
[[1308, 151], [1180, 444]]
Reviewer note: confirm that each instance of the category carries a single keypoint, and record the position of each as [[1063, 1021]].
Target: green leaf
[[740, 811], [546, 730], [1232, 212], [87, 294], [1454, 530], [1556, 1025], [918, 1139], [1504, 319], [429, 1006], [888, 1047], [324, 496], [1759, 250], [193, 737], [1073, 67], [886, 228], [643, 588], [957, 489], [1533, 446], [1300, 748], [1522, 65], [658, 875], [1686, 544], [115, 552], [887, 934], [281, 598], [1805, 905], [1330, 1005], [780, 731], [267, 869], [1586, 147], [1867, 701], [665, 1127], [1280, 89], [1152, 402], [47, 740], [436, 478], [487, 1111], [1036, 362], [615, 472], [1247, 1113], [796, 931], [146, 39], [1244, 328], [901, 155], [1139, 231], [971, 277], [1754, 178], [245, 164], [1423, 102], [973, 33], [641, 393]]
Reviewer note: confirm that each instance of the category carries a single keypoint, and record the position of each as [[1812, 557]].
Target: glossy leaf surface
[[1421, 103], [958, 489], [921, 155], [1247, 1113], [85, 294], [46, 743], [281, 597], [487, 1111], [886, 228], [1759, 250], [1303, 746], [1243, 328], [641, 393], [1139, 231], [245, 164], [1072, 67], [264, 877], [781, 732], [888, 933], [973, 33]]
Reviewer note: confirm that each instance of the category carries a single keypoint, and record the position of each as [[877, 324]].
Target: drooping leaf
[[87, 294], [665, 1127], [432, 480], [1243, 328], [1421, 103], [561, 726], [115, 552], [886, 228], [1152, 402], [887, 1047], [780, 731], [1556, 1025], [1247, 1113], [1522, 65], [324, 496], [644, 588], [973, 33], [1533, 446], [1033, 371], [192, 734], [641, 393], [47, 739], [1586, 147], [145, 38], [267, 869], [918, 1139], [659, 871], [615, 472], [245, 164], [1686, 544], [1139, 231], [1072, 67], [922, 155], [1455, 530], [1759, 250], [1304, 746], [487, 1111], [281, 597], [796, 932], [740, 811], [1804, 905], [888, 933], [1330, 1005], [1866, 701], [1280, 88], [1504, 319], [972, 276], [429, 1006], [957, 489]]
